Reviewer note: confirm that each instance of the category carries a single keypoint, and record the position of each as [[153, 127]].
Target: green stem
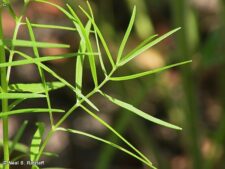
[[4, 86], [183, 16], [71, 110]]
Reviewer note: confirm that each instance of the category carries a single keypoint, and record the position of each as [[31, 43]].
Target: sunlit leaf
[[126, 36], [84, 34], [157, 70], [36, 142], [35, 87], [20, 95], [104, 123], [50, 71], [29, 111], [109, 55], [26, 43], [37, 60], [80, 61], [140, 50], [140, 113], [104, 141]]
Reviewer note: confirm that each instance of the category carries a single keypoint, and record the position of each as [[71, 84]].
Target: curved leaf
[[140, 113], [106, 142], [29, 110], [130, 26], [140, 50], [138, 75]]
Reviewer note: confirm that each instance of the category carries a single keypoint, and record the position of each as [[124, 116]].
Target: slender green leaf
[[109, 55], [29, 110], [140, 113], [26, 43], [18, 136], [116, 133], [97, 43], [15, 103], [85, 36], [41, 72], [37, 60], [104, 141], [142, 44], [132, 55], [80, 61], [36, 142], [20, 95], [35, 87], [127, 34], [47, 69], [138, 75], [51, 26]]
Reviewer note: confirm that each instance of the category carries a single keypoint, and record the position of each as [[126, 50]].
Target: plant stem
[[183, 16], [4, 85], [53, 130]]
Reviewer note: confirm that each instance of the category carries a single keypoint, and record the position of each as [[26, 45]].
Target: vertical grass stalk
[[4, 85], [183, 16]]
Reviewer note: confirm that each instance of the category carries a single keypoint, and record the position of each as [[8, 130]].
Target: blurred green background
[[191, 96]]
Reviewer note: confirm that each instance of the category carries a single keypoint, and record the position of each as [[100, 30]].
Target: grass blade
[[85, 36], [30, 110], [41, 72], [116, 133], [20, 95], [26, 43], [142, 44], [97, 43], [157, 70], [140, 113], [80, 61], [109, 55], [47, 69], [126, 36], [36, 142], [18, 136], [35, 25], [106, 142], [132, 55], [15, 103], [36, 60], [35, 87]]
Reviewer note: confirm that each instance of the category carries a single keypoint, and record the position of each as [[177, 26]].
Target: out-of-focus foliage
[[192, 97]]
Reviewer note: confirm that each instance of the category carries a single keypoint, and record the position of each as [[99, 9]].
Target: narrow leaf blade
[[35, 87], [36, 141], [20, 95], [132, 55], [30, 111], [104, 141], [26, 43], [140, 113], [124, 41], [109, 55], [157, 70]]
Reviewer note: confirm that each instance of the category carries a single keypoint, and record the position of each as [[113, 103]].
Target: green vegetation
[[96, 51]]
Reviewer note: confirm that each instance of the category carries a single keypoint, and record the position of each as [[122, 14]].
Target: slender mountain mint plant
[[17, 93]]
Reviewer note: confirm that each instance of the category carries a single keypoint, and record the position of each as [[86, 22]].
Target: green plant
[[20, 92]]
